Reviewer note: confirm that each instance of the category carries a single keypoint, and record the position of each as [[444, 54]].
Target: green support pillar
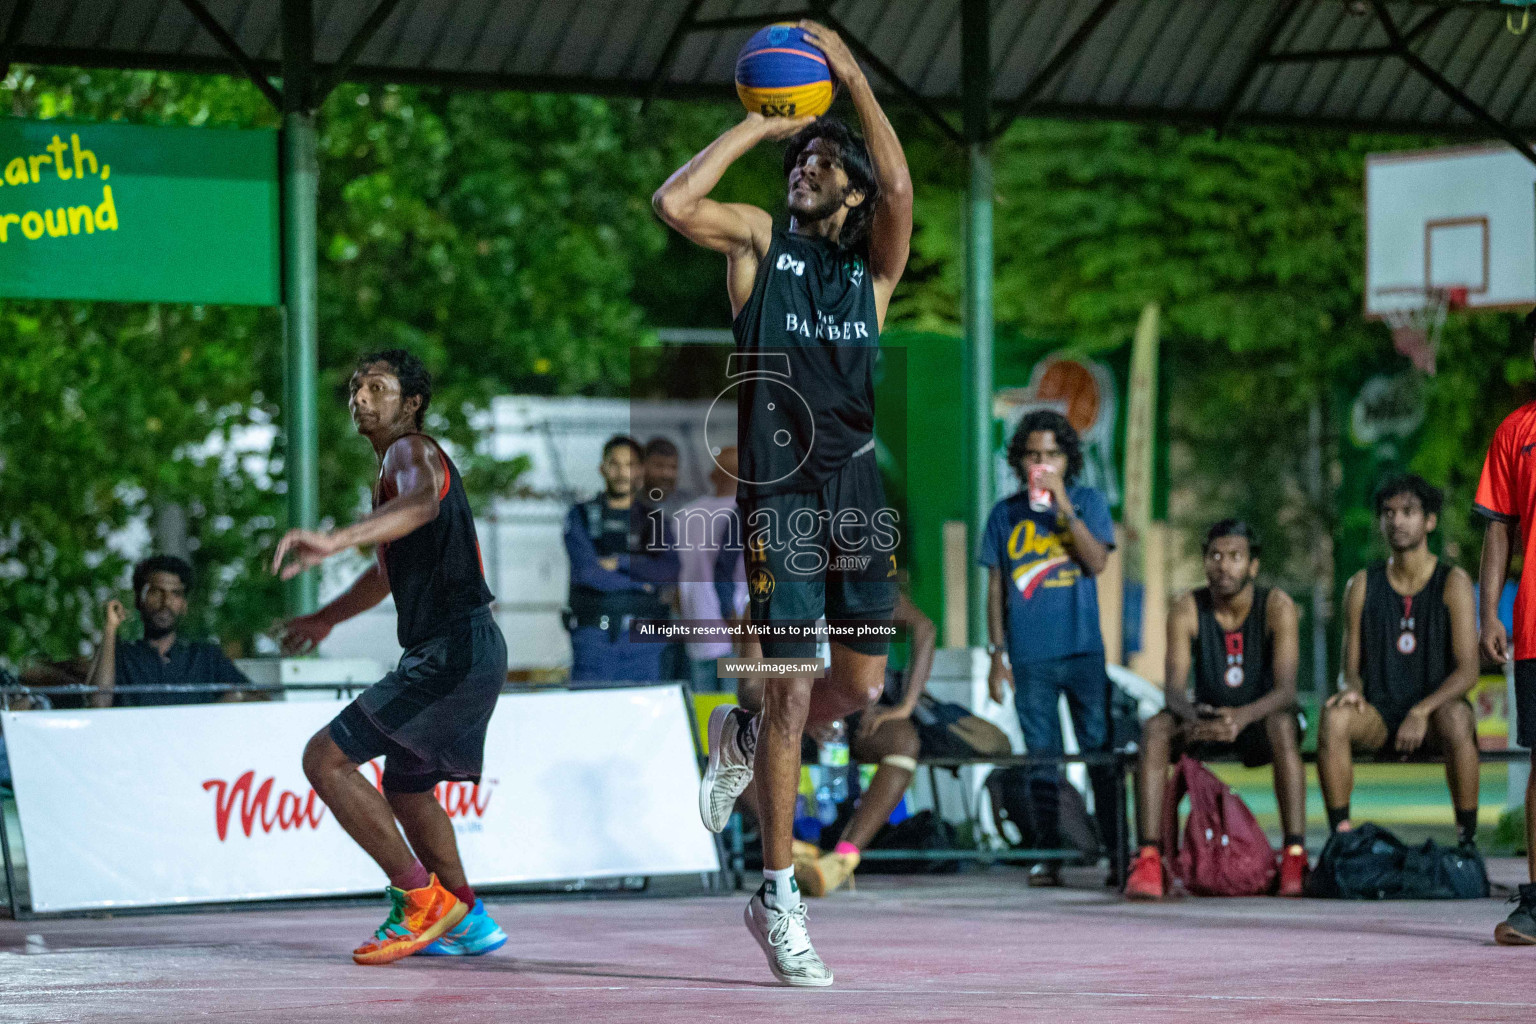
[[976, 89], [301, 179]]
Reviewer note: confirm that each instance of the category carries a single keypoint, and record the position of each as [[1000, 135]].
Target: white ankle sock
[[780, 891]]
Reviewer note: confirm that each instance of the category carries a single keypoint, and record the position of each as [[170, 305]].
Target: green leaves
[[497, 236]]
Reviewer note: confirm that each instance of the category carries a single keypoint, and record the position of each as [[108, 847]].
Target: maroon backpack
[[1225, 852]]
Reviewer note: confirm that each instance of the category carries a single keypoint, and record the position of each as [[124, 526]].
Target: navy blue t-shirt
[[186, 663], [1051, 604]]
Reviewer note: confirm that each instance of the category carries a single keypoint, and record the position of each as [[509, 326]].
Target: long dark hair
[[854, 156], [1066, 437]]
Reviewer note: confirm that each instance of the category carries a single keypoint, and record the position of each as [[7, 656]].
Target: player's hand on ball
[[308, 549], [840, 59], [774, 129], [302, 634]]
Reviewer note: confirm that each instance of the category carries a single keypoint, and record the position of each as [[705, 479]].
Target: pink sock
[[413, 877], [844, 849], [465, 894]]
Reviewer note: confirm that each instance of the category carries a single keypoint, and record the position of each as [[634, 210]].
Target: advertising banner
[[138, 213], [208, 803]]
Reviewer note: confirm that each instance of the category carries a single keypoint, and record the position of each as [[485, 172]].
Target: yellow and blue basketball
[[780, 74]]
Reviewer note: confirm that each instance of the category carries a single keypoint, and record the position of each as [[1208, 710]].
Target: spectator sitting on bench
[[883, 735], [161, 658], [1242, 642], [1410, 657]]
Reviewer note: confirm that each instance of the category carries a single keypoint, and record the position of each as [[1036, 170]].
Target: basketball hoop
[[1416, 328]]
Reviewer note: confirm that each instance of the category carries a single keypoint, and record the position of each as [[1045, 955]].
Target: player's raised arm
[[740, 230], [890, 236]]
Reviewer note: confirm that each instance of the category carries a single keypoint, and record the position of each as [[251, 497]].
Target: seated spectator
[[1242, 641], [1410, 658], [883, 735], [622, 556], [162, 657], [713, 587]]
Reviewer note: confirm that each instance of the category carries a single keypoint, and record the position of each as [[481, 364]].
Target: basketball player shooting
[[811, 299]]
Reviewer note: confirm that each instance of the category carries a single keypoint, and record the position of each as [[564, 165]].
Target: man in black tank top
[[428, 717], [1241, 641], [1410, 658], [808, 302]]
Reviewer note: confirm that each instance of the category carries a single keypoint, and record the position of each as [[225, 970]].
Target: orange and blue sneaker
[[475, 935], [417, 918]]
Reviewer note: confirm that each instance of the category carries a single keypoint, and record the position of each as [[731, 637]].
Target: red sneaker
[[1146, 881], [1293, 871]]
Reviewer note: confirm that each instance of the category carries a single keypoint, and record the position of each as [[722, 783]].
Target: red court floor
[[962, 948]]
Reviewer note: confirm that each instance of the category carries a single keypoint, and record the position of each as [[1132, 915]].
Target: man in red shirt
[[1506, 496]]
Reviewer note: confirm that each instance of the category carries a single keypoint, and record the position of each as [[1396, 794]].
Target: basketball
[[780, 74]]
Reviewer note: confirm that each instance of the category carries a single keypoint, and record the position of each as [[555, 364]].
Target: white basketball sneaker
[[732, 748], [782, 935]]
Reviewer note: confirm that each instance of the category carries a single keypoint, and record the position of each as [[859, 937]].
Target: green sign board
[[135, 213]]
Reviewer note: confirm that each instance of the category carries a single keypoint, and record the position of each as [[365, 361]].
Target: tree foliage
[[1252, 245], [498, 236]]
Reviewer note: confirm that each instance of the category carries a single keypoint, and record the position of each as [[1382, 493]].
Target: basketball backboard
[[1461, 217]]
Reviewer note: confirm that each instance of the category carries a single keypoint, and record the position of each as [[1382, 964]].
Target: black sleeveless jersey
[[803, 370], [435, 572], [1405, 643], [1236, 668]]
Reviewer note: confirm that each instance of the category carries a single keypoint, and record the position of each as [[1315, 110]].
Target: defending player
[[428, 717]]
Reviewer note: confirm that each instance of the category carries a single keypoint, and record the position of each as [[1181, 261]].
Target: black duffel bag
[[1370, 863]]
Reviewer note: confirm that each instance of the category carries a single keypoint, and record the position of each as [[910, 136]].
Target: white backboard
[[1445, 218]]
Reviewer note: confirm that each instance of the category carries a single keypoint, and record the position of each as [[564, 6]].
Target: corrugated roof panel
[[1174, 58], [1335, 81], [1148, 75], [492, 46], [1014, 48], [930, 60], [1112, 65], [457, 35], [1189, 80]]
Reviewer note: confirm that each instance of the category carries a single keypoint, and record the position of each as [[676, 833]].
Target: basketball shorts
[[1525, 703], [825, 553], [428, 717]]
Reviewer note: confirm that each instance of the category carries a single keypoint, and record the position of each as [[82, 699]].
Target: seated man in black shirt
[[161, 658]]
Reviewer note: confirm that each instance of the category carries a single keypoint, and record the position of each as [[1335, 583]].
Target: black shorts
[[1525, 702], [1252, 746], [428, 717], [826, 553]]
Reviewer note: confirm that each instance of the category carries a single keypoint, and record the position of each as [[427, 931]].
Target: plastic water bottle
[[833, 756], [826, 807]]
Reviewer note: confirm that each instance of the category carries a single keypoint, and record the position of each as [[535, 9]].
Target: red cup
[[1039, 496]]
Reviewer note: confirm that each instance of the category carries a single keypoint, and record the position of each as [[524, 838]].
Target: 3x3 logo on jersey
[[788, 262]]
